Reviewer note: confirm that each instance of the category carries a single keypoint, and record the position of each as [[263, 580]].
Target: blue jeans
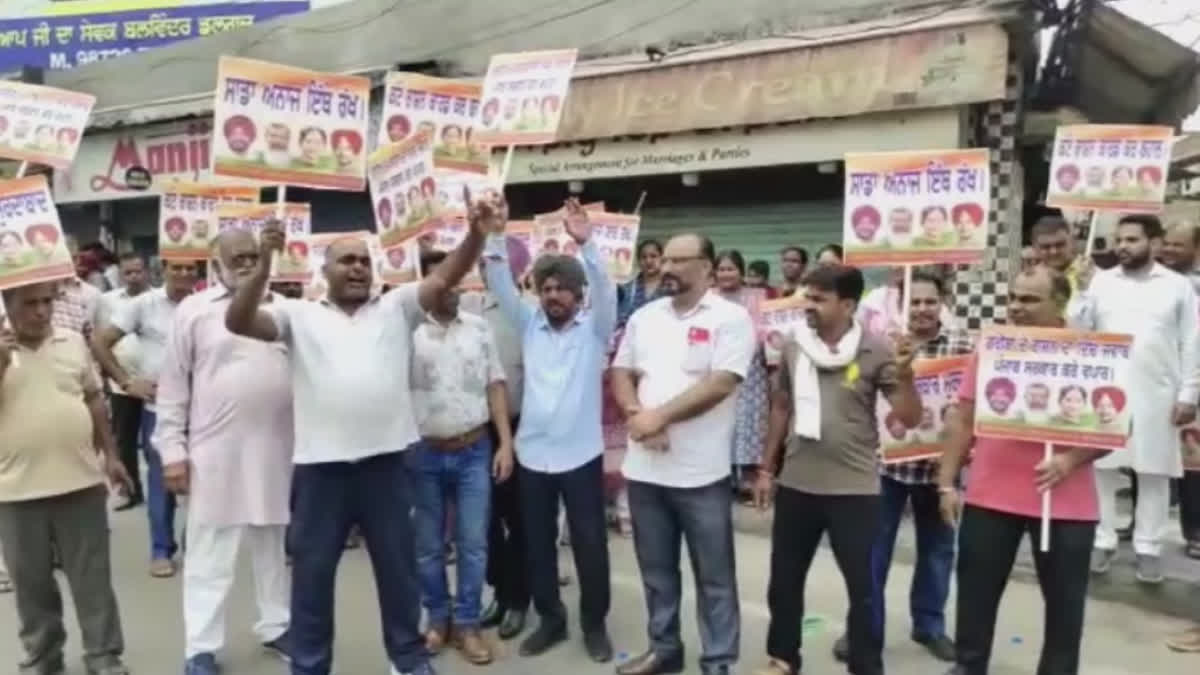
[[935, 557], [701, 517], [160, 504], [330, 498], [463, 476]]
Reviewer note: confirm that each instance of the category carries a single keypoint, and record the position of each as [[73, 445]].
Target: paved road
[[1119, 640]]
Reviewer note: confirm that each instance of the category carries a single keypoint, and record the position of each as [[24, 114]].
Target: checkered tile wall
[[981, 291]]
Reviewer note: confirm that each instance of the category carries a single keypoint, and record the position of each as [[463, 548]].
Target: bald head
[[233, 239], [347, 245], [1179, 247]]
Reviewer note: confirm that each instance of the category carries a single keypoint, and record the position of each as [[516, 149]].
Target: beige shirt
[[46, 430], [453, 364], [843, 462]]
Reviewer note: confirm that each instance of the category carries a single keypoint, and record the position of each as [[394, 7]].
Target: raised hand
[[576, 221]]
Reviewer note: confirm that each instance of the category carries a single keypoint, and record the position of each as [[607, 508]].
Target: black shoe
[[513, 624], [546, 636], [492, 616], [941, 646], [1125, 533], [651, 664], [957, 670], [841, 649], [598, 646]]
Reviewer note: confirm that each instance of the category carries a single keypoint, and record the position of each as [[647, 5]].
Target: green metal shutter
[[759, 231]]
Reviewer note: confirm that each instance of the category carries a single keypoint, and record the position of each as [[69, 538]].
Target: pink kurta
[[225, 404]]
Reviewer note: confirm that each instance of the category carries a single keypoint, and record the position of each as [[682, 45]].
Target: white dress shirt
[[453, 364]]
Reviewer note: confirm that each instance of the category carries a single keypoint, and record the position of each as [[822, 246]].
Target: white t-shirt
[[671, 352], [149, 317], [350, 375]]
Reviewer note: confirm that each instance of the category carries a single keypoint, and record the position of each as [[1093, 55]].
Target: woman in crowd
[[750, 429], [645, 286], [830, 254]]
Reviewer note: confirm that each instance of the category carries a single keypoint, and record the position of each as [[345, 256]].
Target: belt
[[453, 443]]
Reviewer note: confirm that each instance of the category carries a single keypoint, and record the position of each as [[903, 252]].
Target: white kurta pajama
[[225, 406], [1159, 308]]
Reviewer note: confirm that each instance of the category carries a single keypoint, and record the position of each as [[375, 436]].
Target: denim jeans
[[330, 498], [465, 477], [160, 504], [702, 517], [935, 557], [988, 542]]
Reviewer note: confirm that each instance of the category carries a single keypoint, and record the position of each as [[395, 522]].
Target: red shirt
[[1001, 477]]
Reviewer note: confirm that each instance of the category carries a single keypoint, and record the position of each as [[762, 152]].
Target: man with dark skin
[[350, 354]]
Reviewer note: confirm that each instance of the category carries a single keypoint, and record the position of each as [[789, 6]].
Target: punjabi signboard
[[523, 97], [916, 207], [404, 189], [63, 42], [40, 124], [937, 382], [616, 236], [289, 126], [1053, 385], [776, 320], [294, 263], [1110, 167], [187, 215], [448, 110], [32, 246]]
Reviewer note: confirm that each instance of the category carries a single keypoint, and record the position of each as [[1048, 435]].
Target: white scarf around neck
[[812, 354]]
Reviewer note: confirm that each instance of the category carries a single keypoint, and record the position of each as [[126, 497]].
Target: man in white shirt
[[458, 389], [126, 409], [148, 317], [1158, 307], [350, 354], [675, 375]]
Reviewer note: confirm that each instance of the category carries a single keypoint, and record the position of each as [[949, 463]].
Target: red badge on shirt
[[697, 335]]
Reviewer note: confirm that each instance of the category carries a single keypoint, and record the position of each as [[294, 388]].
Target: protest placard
[[1109, 167], [32, 246], [616, 235], [294, 263], [550, 232], [289, 126], [42, 125], [523, 97], [916, 207], [187, 217], [1053, 385], [404, 189], [937, 382], [776, 320], [450, 185], [448, 110], [1189, 445]]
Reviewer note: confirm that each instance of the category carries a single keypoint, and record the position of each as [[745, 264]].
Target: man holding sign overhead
[[1004, 501], [350, 356]]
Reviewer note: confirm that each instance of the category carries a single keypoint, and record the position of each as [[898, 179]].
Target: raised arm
[[602, 292], [485, 215], [498, 275], [244, 316]]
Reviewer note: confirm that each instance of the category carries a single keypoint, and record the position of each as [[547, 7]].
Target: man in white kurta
[[1158, 308], [225, 434]]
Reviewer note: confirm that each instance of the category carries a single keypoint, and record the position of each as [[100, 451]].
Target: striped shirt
[[949, 342]]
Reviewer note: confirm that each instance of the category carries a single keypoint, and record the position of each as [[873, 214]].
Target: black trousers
[[1189, 505], [801, 518], [582, 492], [127, 422], [987, 547], [506, 572]]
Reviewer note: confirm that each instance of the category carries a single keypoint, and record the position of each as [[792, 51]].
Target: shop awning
[[1128, 72], [373, 36]]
